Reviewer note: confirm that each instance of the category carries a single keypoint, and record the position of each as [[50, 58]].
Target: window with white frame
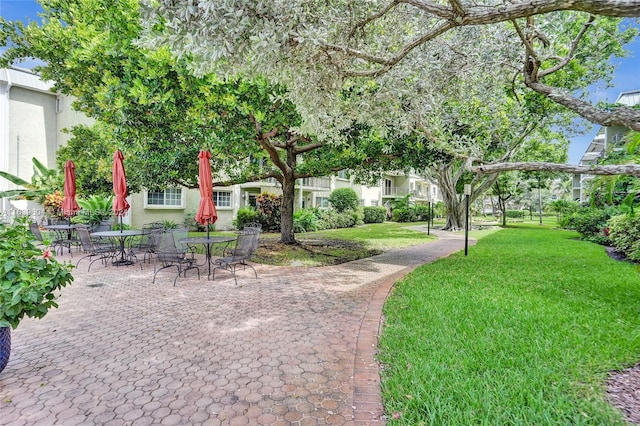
[[168, 198], [222, 198], [374, 203], [342, 174]]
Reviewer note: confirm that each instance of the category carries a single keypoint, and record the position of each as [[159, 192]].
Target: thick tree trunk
[[453, 207], [287, 235], [502, 203]]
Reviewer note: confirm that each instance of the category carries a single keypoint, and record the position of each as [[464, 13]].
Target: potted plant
[[95, 211], [29, 276]]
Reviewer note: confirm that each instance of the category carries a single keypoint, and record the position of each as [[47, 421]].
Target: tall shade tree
[[91, 148], [151, 106], [318, 48]]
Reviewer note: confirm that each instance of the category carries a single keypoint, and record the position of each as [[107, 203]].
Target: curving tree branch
[[607, 170]]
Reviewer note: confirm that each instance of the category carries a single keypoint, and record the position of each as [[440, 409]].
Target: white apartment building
[[33, 119], [605, 137]]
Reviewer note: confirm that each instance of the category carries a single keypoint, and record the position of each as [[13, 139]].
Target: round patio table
[[207, 241], [121, 236], [59, 230]]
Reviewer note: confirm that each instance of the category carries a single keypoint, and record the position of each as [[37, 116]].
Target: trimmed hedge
[[624, 234], [418, 213], [343, 199], [590, 223], [514, 214], [374, 214]]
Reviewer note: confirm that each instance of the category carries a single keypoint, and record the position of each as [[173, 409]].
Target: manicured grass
[[336, 246], [381, 236], [523, 331]]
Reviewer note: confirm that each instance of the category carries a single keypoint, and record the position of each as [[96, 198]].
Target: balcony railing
[[258, 183], [394, 191], [316, 182]]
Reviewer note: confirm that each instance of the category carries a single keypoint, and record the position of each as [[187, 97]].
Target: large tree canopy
[[402, 48], [153, 108]]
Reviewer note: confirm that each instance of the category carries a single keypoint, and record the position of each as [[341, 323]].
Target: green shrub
[[345, 220], [563, 210], [269, 211], [590, 223], [29, 276], [374, 214], [331, 219], [343, 199], [94, 210], [358, 216], [169, 224], [624, 235], [422, 212], [514, 214], [191, 224], [304, 221], [404, 214], [245, 215]]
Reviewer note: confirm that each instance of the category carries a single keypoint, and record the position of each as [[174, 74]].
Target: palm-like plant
[[619, 191], [94, 209], [44, 181]]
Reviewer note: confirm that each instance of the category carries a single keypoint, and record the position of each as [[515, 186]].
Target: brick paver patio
[[295, 347]]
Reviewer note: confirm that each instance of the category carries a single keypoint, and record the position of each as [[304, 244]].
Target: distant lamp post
[[467, 193], [429, 212], [540, 202]]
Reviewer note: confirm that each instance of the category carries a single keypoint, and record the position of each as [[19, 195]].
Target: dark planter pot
[[104, 225], [5, 346]]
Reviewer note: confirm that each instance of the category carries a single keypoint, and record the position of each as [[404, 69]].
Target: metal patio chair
[[101, 250], [245, 247], [168, 255], [148, 243]]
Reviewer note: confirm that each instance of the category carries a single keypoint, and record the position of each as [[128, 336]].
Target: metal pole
[[466, 227], [467, 193], [540, 203], [429, 219]]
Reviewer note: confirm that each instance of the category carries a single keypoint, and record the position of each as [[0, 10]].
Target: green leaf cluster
[[343, 199], [28, 279], [43, 181]]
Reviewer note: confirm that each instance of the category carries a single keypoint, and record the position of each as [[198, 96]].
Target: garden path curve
[[296, 347]]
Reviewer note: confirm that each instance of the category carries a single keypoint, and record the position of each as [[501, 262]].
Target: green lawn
[[381, 236], [523, 331], [336, 246]]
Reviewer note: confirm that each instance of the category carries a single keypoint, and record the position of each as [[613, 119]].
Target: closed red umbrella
[[120, 204], [69, 204], [207, 209]]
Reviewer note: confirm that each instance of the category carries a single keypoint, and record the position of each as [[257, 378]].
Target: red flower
[[47, 254]]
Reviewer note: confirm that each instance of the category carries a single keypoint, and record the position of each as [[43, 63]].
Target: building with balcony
[[606, 138], [33, 120]]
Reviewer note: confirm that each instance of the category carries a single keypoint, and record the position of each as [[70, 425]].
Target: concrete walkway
[[296, 347]]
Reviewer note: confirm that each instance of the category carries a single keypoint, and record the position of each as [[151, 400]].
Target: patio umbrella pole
[[206, 214], [120, 223]]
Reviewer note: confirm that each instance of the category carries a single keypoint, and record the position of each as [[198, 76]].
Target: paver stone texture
[[295, 347]]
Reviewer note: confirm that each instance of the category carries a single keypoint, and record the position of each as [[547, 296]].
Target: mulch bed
[[623, 387]]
